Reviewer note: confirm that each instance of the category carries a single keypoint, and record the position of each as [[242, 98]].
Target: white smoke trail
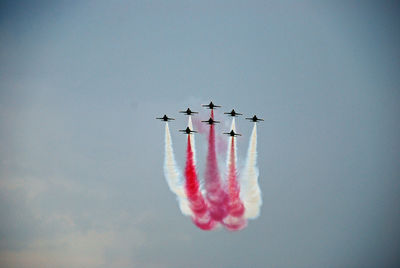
[[250, 190], [173, 175]]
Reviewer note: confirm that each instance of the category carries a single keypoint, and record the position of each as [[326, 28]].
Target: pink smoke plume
[[220, 142], [234, 221], [216, 195], [201, 215]]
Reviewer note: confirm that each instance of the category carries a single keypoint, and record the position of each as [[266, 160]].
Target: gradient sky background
[[81, 177]]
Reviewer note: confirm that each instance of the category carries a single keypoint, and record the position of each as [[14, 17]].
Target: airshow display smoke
[[235, 219], [225, 198], [216, 194]]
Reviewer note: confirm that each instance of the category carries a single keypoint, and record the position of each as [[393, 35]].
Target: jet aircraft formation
[[220, 198], [210, 121]]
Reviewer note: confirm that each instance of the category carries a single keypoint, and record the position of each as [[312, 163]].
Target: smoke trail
[[234, 221], [228, 154], [216, 196], [193, 145], [220, 141], [201, 216], [251, 193], [173, 175]]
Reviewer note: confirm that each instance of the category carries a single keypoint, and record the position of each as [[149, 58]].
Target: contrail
[[172, 174], [234, 221], [201, 215], [251, 193], [216, 195]]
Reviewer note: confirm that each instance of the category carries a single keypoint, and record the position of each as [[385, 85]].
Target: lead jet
[[188, 131], [233, 113], [188, 112], [232, 133], [165, 118], [211, 105], [255, 119], [210, 121]]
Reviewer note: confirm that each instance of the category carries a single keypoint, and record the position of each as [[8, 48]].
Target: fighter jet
[[210, 121], [255, 119], [165, 118], [233, 113], [188, 112], [232, 133], [211, 105], [188, 131]]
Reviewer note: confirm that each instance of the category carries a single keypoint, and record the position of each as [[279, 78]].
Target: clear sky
[[81, 177]]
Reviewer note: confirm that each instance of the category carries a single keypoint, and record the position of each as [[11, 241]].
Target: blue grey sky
[[81, 155]]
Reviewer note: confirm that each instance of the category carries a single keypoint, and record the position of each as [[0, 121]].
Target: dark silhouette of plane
[[255, 119], [188, 112], [233, 113], [211, 105], [210, 121], [188, 131], [165, 118], [232, 133]]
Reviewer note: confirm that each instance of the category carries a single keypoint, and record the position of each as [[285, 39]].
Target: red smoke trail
[[220, 141], [235, 220], [216, 196], [236, 207], [201, 216]]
